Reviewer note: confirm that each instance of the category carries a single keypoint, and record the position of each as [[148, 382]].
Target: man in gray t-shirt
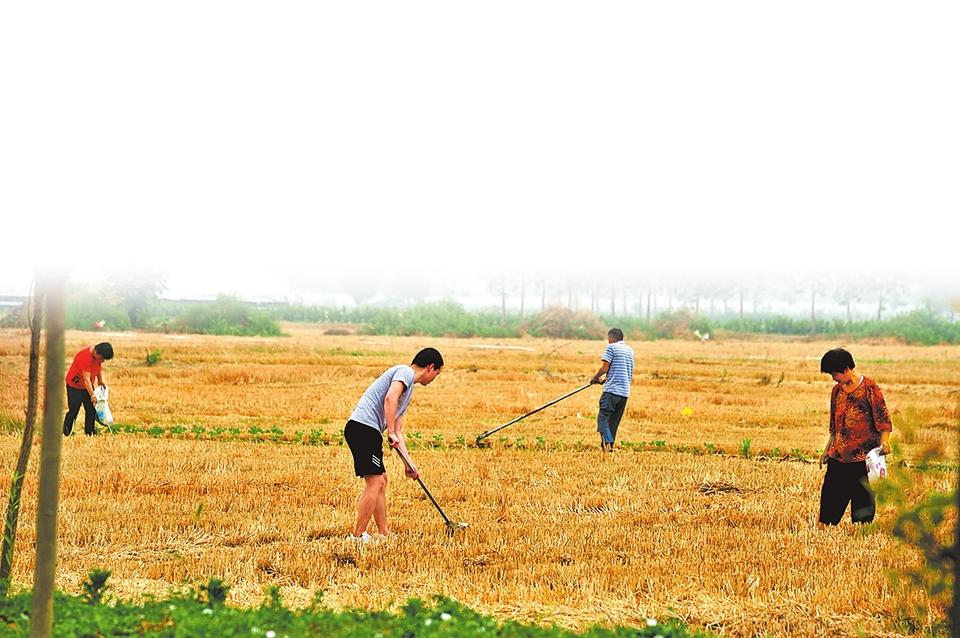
[[381, 410]]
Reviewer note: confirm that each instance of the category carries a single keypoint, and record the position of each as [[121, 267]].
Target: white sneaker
[[363, 538]]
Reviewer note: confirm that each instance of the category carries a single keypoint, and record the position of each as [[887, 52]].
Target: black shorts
[[366, 445]]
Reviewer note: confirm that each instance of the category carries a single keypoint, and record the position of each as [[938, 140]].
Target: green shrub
[[95, 586], [919, 326], [226, 316], [86, 309], [563, 323], [678, 325]]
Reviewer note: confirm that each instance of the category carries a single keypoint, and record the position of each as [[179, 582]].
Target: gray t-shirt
[[369, 410]]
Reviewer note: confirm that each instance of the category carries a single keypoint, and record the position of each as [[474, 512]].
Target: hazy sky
[[260, 147]]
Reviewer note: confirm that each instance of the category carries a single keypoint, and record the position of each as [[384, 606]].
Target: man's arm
[[602, 371], [409, 468], [89, 386], [395, 436], [391, 404]]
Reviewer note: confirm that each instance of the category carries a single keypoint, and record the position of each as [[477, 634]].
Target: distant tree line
[[448, 318], [223, 316], [122, 305]]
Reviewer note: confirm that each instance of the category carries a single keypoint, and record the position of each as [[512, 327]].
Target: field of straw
[[559, 532]]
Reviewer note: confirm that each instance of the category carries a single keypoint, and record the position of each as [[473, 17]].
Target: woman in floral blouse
[[859, 422]]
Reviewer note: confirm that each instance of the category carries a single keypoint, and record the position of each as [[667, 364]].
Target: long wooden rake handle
[[446, 519], [545, 405]]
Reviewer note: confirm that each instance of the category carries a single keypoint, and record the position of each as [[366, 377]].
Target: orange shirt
[[856, 421], [83, 362]]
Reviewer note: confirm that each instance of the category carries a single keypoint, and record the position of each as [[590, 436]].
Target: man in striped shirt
[[618, 366]]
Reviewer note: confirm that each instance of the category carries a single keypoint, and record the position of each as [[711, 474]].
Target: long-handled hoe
[[545, 405], [451, 526]]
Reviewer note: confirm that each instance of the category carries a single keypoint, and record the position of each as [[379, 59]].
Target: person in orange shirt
[[859, 422], [84, 372]]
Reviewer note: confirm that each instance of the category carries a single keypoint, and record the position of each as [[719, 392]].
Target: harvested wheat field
[[228, 462]]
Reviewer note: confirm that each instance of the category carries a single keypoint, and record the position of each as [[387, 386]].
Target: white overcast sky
[[234, 143]]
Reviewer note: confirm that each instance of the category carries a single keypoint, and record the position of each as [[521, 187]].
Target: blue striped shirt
[[620, 357]]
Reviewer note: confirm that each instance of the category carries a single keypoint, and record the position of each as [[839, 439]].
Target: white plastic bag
[[876, 465], [104, 415]]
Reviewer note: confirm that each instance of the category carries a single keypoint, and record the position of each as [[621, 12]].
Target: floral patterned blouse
[[856, 421]]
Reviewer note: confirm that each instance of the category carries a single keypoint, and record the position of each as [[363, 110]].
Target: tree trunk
[[523, 292], [613, 301], [741, 311], [649, 293], [16, 486], [503, 300], [813, 312], [543, 296], [41, 618], [848, 314], [880, 307]]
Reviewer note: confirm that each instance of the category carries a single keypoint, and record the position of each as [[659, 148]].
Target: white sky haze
[[249, 146]]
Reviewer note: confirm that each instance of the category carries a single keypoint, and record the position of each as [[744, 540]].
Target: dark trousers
[[609, 415], [846, 483], [75, 398]]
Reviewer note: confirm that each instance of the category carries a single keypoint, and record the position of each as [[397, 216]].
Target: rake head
[[452, 527]]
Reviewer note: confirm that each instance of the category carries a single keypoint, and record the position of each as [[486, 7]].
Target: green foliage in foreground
[[927, 524], [200, 613]]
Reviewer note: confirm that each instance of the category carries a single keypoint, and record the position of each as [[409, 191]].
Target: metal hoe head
[[451, 526]]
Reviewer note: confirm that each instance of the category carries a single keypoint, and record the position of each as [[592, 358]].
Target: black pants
[[75, 398], [846, 483]]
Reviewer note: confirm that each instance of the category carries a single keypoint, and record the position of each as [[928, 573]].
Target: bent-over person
[[381, 410]]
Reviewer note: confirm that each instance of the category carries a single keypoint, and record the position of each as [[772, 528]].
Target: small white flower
[[651, 622], [428, 622], [171, 607], [271, 634], [207, 611], [445, 616]]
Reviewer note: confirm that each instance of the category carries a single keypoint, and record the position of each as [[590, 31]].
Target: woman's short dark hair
[[616, 333], [427, 356], [837, 360], [104, 349]]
